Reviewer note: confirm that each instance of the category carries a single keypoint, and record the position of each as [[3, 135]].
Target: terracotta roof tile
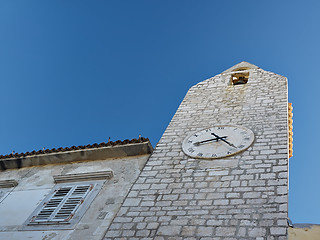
[[65, 149]]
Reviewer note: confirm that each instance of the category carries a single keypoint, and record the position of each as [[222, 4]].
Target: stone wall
[[34, 183], [239, 197]]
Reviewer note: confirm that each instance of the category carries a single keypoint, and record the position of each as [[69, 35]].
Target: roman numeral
[[191, 150]]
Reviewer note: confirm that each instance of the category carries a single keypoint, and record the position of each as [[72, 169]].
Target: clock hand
[[223, 140], [212, 139]]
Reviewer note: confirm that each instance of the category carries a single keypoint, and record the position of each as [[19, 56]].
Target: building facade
[[67, 193]]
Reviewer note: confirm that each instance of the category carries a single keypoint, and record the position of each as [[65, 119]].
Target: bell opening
[[239, 78]]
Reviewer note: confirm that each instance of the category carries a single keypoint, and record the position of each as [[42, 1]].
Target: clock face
[[218, 142]]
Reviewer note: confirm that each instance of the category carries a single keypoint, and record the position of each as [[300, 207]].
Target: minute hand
[[223, 140], [204, 141]]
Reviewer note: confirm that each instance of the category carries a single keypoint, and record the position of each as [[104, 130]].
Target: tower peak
[[241, 66]]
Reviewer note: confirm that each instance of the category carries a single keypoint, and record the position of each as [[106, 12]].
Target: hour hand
[[220, 138]]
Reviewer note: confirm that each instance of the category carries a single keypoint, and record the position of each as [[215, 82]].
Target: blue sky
[[77, 72]]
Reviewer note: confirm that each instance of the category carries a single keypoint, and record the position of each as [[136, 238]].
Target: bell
[[240, 80]]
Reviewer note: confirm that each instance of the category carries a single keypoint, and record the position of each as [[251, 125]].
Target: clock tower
[[220, 170]]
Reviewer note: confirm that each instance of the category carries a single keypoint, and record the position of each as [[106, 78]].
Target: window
[[64, 206], [10, 183], [6, 186]]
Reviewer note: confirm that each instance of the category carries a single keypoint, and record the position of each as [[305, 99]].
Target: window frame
[[76, 214]]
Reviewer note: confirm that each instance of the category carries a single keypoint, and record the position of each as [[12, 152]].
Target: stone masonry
[[241, 197]]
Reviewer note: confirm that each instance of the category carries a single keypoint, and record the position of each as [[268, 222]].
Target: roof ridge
[[66, 149]]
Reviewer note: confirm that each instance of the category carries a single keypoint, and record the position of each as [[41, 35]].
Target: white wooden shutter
[[62, 205]]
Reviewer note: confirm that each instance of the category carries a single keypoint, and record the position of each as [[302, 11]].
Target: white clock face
[[218, 142]]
